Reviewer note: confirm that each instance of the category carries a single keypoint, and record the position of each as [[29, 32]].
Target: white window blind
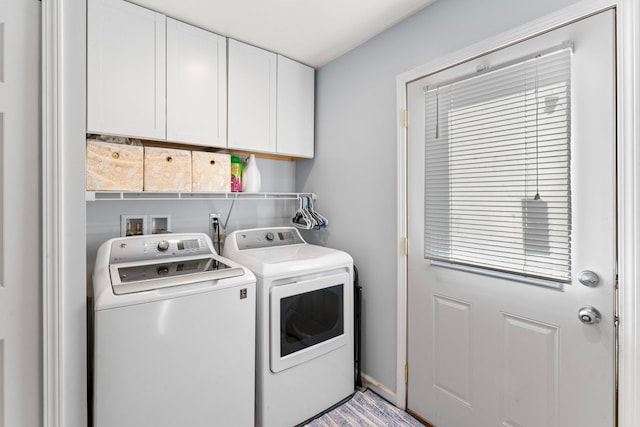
[[497, 170]]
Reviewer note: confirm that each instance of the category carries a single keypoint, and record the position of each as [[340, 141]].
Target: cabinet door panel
[[252, 98], [126, 70], [196, 85], [295, 108]]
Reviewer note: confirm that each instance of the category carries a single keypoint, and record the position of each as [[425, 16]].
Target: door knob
[[589, 315], [588, 278]]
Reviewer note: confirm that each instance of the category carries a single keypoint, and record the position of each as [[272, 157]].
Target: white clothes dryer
[[304, 325], [173, 334]]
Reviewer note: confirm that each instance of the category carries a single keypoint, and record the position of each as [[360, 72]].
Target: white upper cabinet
[[252, 98], [295, 111], [126, 70], [196, 85], [153, 77]]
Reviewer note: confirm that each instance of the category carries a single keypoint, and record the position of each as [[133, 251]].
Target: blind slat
[[492, 143]]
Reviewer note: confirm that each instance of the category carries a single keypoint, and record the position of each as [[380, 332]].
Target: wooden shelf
[[191, 147]]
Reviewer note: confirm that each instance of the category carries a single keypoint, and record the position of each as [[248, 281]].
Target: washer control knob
[[270, 236], [163, 245], [163, 270]]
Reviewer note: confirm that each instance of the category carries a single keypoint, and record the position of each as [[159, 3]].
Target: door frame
[[64, 307], [628, 176]]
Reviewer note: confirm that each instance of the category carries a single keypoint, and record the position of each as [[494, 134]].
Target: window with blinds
[[497, 171]]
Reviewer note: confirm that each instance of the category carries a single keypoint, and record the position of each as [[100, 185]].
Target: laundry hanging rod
[[94, 196]]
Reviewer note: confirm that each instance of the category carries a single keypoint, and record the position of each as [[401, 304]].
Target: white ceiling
[[313, 32]]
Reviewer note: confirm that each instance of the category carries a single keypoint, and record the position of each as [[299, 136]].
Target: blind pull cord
[[537, 196]]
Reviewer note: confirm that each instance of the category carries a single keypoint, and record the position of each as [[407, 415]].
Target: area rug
[[365, 409]]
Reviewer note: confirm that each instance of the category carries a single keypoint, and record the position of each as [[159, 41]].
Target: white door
[[493, 348], [20, 296]]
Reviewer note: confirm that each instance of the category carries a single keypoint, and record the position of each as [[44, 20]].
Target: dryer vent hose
[[357, 327]]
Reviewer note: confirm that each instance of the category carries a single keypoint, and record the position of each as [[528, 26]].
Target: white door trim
[[51, 309], [629, 212], [63, 213], [628, 77]]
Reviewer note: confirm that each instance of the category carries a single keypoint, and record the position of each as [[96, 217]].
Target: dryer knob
[[270, 236], [163, 245]]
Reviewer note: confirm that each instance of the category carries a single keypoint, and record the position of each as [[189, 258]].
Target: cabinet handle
[[169, 159], [115, 155]]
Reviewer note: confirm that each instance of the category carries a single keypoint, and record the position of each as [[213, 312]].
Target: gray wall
[[354, 170], [103, 217]]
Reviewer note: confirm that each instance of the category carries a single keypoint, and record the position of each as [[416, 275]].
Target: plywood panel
[[452, 339], [530, 368]]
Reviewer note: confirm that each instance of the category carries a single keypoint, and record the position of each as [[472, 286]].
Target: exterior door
[[488, 348], [20, 296]]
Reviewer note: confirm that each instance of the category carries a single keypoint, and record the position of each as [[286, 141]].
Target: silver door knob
[[589, 315], [588, 278]]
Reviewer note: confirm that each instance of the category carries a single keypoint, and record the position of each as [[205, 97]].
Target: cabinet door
[[295, 110], [126, 70], [196, 85], [252, 98]]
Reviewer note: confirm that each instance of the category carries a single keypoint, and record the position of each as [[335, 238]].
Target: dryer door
[[308, 319]]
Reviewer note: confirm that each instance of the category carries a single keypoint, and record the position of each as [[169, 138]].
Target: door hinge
[[406, 119], [406, 246], [406, 374], [616, 297]]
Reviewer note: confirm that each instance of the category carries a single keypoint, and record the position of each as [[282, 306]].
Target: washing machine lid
[[128, 278]]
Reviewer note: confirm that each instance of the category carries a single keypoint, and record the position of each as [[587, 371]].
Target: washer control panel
[[131, 249], [267, 237]]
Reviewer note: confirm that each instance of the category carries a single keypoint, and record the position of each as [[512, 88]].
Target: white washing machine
[[174, 334], [304, 331]]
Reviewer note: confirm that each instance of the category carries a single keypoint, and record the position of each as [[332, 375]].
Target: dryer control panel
[[268, 237]]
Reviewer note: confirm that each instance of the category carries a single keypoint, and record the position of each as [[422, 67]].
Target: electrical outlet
[[213, 219], [132, 225]]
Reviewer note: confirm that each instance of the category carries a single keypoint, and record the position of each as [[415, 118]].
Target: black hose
[[357, 327]]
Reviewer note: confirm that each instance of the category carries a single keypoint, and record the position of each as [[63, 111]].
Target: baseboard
[[419, 418], [382, 390]]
